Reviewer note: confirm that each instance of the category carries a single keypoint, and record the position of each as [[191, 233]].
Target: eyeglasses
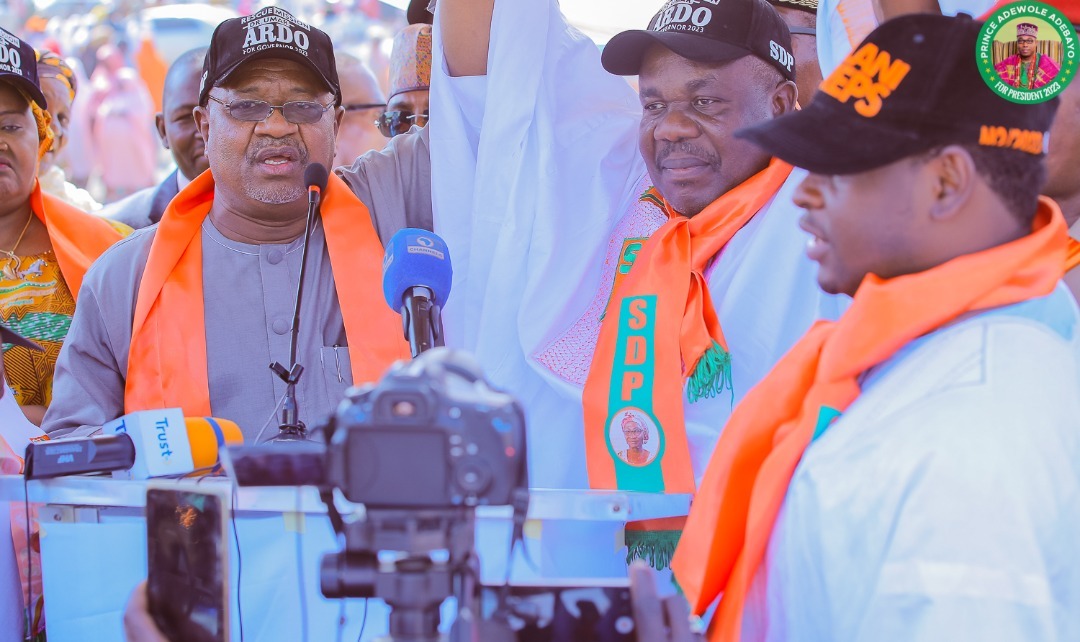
[[392, 123], [805, 31], [363, 106], [297, 112]]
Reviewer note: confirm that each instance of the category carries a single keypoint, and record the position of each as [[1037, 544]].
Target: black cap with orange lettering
[[911, 86]]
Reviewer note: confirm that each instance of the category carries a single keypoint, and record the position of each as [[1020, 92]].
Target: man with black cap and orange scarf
[[912, 470], [189, 313], [623, 252]]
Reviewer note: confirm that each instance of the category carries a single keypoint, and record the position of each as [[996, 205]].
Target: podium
[[93, 552]]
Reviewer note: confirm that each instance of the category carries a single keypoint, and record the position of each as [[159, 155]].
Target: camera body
[[431, 434]]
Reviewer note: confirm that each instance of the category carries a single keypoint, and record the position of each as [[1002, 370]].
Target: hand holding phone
[[138, 623], [187, 569]]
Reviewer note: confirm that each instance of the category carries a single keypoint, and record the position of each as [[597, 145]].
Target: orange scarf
[[167, 358], [77, 238], [732, 518], [1072, 259], [661, 329]]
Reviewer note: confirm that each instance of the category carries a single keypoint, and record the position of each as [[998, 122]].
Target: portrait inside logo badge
[[1028, 52], [633, 436]]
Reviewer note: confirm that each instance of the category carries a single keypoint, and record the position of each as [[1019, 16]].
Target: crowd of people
[[822, 296]]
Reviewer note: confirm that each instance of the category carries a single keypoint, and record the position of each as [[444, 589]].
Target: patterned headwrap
[[52, 66], [410, 60], [42, 119], [631, 421]]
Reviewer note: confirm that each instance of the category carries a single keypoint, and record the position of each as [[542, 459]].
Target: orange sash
[[1072, 259], [732, 518], [77, 238], [660, 330], [167, 359]]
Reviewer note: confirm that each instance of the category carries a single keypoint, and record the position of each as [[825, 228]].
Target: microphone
[[315, 178], [416, 283], [291, 428], [48, 459], [167, 443]]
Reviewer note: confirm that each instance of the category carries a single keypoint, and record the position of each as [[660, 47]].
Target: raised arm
[[466, 29]]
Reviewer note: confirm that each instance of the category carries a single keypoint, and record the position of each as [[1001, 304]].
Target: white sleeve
[[530, 168], [983, 546]]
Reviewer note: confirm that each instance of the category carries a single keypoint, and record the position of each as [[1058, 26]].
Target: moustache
[[686, 148], [291, 148]]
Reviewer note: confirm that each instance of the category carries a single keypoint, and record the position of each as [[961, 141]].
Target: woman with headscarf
[[46, 245], [59, 85]]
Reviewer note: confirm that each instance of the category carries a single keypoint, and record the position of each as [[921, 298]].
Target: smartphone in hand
[[187, 564]]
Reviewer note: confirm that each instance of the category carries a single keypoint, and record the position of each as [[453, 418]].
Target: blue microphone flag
[[416, 257]]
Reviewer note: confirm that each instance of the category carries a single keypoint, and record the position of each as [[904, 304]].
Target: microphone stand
[[291, 428], [422, 318]]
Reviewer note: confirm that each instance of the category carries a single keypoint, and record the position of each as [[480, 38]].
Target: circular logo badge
[[1027, 52]]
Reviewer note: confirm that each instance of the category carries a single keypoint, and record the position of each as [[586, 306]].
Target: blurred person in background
[[60, 85], [76, 158], [801, 19], [178, 134], [363, 101], [410, 81], [121, 113]]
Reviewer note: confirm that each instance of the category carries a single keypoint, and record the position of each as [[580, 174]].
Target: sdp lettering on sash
[[869, 76], [632, 387], [636, 348]]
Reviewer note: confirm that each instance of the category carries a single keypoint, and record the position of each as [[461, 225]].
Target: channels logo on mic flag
[[416, 258]]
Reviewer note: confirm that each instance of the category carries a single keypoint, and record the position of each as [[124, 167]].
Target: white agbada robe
[[944, 504]]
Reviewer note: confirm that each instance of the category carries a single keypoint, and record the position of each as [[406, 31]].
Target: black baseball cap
[[268, 33], [18, 66], [912, 85], [707, 31]]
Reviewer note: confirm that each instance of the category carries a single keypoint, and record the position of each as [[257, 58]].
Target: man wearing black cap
[[604, 199], [189, 313], [912, 470]]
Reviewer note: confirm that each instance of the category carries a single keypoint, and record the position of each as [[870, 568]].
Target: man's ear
[[202, 122], [952, 177], [159, 122], [783, 98]]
